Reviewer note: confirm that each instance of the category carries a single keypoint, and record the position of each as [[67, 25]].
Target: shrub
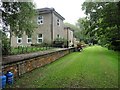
[[60, 42], [5, 45], [41, 45]]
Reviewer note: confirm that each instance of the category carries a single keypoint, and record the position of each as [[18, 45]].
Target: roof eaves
[[56, 13], [68, 28], [49, 10]]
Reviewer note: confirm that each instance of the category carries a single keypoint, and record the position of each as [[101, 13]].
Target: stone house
[[49, 27], [75, 42], [68, 35]]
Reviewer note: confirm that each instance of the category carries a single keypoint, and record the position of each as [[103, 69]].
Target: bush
[[41, 45], [5, 45], [82, 44], [60, 42]]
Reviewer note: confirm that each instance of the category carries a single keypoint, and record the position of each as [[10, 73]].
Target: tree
[[83, 24], [5, 43], [104, 22], [19, 16]]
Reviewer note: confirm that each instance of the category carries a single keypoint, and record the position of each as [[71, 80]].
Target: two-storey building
[[49, 27], [68, 35]]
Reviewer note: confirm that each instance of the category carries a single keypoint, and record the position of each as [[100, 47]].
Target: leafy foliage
[[60, 42], [19, 16], [102, 23], [5, 44]]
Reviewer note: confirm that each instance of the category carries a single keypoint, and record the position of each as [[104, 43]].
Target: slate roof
[[49, 10], [68, 28]]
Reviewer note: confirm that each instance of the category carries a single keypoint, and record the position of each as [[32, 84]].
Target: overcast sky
[[69, 9]]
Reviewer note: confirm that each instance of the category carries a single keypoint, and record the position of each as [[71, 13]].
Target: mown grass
[[94, 67]]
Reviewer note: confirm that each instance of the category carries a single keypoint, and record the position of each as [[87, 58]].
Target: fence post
[[39, 48], [30, 48], [46, 47], [22, 49], [25, 49], [18, 49]]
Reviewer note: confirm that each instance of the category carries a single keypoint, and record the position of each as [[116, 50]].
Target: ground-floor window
[[39, 38], [19, 39], [29, 39]]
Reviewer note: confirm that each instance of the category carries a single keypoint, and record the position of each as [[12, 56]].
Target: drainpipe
[[73, 39], [67, 37], [51, 26]]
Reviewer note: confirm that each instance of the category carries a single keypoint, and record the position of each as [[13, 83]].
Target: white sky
[[69, 9]]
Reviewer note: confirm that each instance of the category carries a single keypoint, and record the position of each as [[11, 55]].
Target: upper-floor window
[[19, 39], [29, 39], [58, 22], [40, 20], [39, 38]]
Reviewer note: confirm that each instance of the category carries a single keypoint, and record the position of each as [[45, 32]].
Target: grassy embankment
[[94, 67]]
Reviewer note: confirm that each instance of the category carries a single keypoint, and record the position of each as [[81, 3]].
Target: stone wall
[[23, 66]]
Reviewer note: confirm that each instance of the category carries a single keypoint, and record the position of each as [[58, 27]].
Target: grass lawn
[[94, 67]]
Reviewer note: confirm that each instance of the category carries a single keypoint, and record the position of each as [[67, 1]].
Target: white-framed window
[[19, 39], [29, 39], [58, 22], [39, 38], [40, 20]]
